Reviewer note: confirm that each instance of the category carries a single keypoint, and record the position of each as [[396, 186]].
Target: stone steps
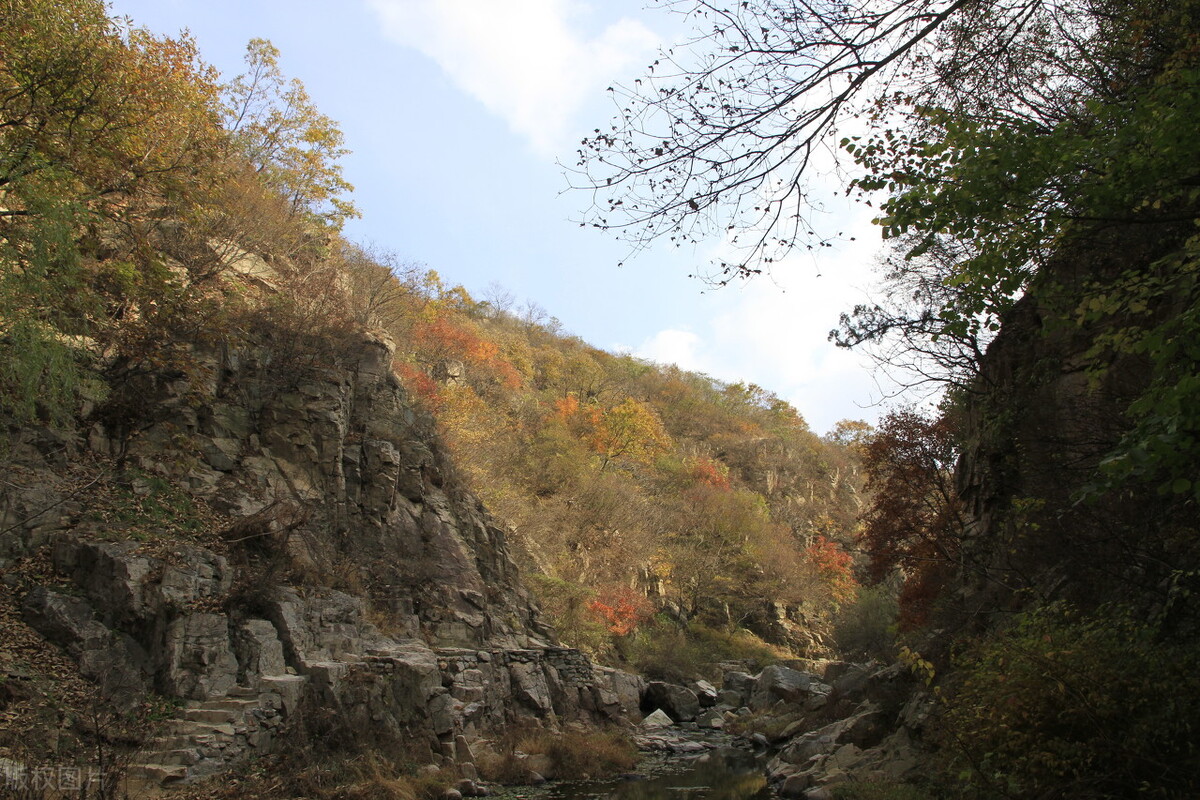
[[158, 773], [180, 757], [189, 727], [213, 716], [191, 743], [232, 704]]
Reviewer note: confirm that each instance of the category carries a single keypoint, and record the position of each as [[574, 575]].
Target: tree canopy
[[729, 133]]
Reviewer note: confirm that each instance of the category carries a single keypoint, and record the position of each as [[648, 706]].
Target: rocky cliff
[[1050, 405], [279, 544]]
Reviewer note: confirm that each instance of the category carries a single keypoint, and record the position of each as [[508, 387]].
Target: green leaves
[[1065, 704]]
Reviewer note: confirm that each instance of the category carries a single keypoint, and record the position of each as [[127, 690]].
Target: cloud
[[773, 332], [670, 346], [528, 61]]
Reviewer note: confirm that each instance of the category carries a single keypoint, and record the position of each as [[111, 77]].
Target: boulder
[[705, 692], [794, 786], [740, 684], [657, 719], [864, 728], [678, 701], [776, 683]]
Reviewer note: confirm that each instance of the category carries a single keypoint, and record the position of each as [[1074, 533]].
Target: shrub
[[866, 628], [1062, 704], [873, 790], [568, 606], [576, 753], [665, 651]]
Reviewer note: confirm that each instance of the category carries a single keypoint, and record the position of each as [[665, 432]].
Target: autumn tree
[[629, 430], [915, 519], [286, 139], [97, 124]]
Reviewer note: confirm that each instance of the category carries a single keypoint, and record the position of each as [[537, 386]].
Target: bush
[[664, 651], [1062, 704], [568, 607], [879, 791], [563, 755], [578, 754], [866, 628]]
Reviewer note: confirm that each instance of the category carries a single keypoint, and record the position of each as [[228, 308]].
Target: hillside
[[631, 489]]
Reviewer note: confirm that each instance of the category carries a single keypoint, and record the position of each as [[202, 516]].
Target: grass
[[567, 755]]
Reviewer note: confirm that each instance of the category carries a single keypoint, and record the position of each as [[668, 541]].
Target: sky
[[460, 114]]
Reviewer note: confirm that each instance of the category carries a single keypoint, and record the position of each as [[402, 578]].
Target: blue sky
[[458, 110]]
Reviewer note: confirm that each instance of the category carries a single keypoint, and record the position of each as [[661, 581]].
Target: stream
[[725, 773]]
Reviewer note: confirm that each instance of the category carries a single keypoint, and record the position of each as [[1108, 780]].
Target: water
[[722, 774]]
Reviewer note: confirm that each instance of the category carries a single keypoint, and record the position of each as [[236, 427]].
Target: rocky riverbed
[[812, 728]]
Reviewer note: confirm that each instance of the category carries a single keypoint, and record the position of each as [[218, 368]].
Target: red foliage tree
[[711, 473], [622, 610], [915, 520], [835, 567], [444, 339], [420, 384]]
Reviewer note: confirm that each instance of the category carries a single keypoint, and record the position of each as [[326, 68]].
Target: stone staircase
[[205, 736]]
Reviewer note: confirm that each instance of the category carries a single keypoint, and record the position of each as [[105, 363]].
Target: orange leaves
[[444, 339], [835, 567], [420, 384], [711, 473], [566, 408], [621, 609]]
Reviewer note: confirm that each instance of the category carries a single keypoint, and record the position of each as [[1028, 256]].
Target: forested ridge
[[1029, 549]]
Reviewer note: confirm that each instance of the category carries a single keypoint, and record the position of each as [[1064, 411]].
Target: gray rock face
[[870, 742], [258, 649], [199, 657], [333, 471], [530, 689], [345, 449], [115, 661]]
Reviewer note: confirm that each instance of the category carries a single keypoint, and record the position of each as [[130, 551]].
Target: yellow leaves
[[919, 666], [120, 110], [292, 145], [630, 430], [169, 96]]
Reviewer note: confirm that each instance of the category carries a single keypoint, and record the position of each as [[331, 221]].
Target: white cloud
[[679, 347], [773, 332], [527, 61]]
